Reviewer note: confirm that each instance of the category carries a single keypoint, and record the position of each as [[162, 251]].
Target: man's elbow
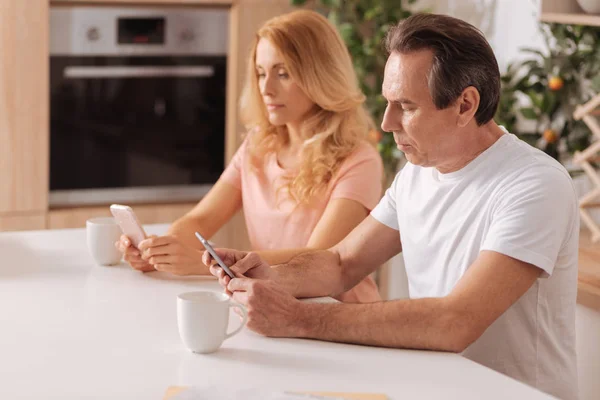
[[463, 329], [460, 343]]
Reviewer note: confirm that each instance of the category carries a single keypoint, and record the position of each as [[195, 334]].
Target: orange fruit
[[556, 83], [375, 136], [550, 136]]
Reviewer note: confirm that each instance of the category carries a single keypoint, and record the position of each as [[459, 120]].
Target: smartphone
[[129, 224], [214, 255]]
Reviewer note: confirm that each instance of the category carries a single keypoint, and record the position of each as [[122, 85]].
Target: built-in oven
[[137, 103]]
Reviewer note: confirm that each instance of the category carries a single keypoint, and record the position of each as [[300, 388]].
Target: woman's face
[[286, 103]]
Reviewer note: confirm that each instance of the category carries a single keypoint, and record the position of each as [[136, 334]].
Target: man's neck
[[478, 141]]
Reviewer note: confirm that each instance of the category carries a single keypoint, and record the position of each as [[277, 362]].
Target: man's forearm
[[312, 274], [275, 257], [415, 324]]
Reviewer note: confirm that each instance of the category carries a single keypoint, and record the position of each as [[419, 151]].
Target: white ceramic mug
[[203, 317], [102, 233]]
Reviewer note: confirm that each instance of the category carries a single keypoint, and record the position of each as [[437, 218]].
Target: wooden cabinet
[[144, 2], [27, 222], [24, 132]]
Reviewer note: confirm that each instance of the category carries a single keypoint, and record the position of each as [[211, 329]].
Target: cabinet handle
[[138, 72]]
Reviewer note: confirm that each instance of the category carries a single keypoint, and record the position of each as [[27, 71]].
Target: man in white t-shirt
[[487, 224]]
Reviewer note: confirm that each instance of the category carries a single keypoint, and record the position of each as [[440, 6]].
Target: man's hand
[[271, 310], [241, 263], [169, 254], [133, 255]]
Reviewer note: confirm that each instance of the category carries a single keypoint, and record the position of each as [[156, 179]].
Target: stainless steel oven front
[[137, 103]]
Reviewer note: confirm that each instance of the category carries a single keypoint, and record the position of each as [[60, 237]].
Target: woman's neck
[[289, 155], [295, 138]]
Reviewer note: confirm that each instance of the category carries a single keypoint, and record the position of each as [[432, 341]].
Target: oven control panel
[[89, 30]]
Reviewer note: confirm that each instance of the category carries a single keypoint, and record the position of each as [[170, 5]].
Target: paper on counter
[[228, 393]]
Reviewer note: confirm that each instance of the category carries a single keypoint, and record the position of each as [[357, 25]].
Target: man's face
[[426, 135]]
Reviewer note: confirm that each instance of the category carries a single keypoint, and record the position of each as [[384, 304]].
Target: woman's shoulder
[[363, 152], [246, 138], [364, 157]]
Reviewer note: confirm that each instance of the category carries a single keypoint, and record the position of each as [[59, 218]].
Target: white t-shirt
[[515, 200]]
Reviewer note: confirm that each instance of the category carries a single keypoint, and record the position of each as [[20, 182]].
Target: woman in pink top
[[305, 175]]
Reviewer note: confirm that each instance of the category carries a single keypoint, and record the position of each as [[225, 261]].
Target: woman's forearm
[[185, 227]]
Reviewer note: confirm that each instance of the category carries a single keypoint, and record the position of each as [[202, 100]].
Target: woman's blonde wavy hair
[[318, 61]]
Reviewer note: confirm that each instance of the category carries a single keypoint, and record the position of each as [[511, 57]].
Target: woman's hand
[[169, 254], [133, 255]]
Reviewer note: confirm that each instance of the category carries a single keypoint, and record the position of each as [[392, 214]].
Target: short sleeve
[[535, 216], [360, 177], [233, 172], [385, 211]]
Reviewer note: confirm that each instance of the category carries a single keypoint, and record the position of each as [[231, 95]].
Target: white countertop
[[72, 330]]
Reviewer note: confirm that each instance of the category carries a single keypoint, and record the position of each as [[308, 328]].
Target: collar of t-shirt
[[503, 141]]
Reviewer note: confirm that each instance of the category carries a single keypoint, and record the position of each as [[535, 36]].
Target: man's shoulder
[[525, 162]]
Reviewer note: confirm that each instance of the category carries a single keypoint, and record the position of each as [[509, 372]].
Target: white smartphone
[[129, 223], [214, 255]]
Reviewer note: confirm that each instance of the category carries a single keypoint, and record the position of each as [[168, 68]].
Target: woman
[[305, 175]]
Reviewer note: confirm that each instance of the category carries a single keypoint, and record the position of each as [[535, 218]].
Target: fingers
[[155, 241], [250, 261], [165, 250], [240, 284], [162, 259], [229, 256], [165, 268], [131, 254], [240, 297], [123, 244], [207, 259], [143, 267], [219, 273]]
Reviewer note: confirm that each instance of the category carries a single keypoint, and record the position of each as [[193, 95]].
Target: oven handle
[[138, 72]]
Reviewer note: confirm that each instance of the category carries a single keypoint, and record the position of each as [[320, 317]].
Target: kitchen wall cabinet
[[25, 222], [23, 109]]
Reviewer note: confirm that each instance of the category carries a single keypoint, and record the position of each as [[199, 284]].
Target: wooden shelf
[[566, 12], [571, 18], [588, 287], [143, 2]]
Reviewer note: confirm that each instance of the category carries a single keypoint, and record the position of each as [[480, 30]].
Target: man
[[487, 224]]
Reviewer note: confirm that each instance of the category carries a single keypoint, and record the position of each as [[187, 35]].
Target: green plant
[[363, 25], [540, 92]]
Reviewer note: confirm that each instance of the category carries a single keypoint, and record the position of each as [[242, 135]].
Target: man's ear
[[468, 102]]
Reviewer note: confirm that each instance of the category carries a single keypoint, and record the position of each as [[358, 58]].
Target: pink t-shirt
[[274, 224]]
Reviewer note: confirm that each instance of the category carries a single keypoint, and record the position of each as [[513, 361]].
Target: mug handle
[[244, 319]]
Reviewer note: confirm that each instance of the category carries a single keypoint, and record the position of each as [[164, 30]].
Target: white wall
[[494, 17], [507, 24]]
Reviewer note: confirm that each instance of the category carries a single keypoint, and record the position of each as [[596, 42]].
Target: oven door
[[135, 129]]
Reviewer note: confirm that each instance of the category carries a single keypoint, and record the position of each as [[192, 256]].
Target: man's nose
[[389, 124]]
